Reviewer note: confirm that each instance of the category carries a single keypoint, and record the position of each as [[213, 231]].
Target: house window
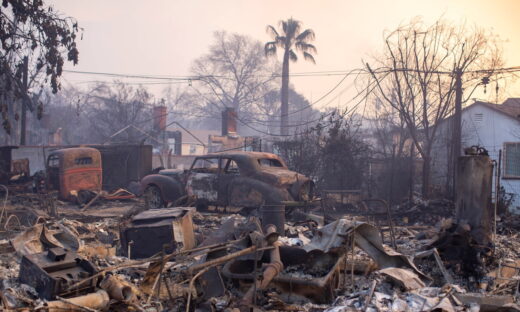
[[512, 160]]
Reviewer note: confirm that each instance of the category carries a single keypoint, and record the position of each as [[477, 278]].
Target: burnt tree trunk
[[426, 168]]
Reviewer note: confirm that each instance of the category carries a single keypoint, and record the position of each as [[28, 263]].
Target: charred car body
[[72, 171], [238, 179]]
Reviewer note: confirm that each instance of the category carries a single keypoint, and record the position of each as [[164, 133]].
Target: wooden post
[[25, 88], [457, 127]]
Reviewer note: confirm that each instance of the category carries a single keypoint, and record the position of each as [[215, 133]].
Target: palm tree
[[289, 39]]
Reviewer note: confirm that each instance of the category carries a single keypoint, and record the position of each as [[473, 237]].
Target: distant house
[[492, 126], [192, 142]]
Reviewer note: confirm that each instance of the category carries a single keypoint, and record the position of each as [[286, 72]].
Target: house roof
[[510, 107]]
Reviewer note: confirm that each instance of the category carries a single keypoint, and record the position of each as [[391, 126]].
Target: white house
[[193, 142], [496, 127]]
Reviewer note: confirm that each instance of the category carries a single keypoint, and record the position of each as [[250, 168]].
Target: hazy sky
[[163, 37]]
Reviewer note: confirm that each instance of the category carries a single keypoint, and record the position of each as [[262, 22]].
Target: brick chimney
[[159, 117], [229, 121]]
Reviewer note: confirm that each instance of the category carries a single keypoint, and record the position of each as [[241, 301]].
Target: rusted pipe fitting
[[270, 228], [271, 270], [97, 301], [271, 234], [117, 289]]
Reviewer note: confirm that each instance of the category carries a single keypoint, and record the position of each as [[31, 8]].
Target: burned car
[[237, 179]]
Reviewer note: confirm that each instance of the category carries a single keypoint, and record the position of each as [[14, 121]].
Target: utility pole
[[25, 88], [412, 169], [457, 126]]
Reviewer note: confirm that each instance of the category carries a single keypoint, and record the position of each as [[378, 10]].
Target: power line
[[130, 75], [346, 112], [302, 108], [297, 74], [324, 95], [198, 77], [131, 83]]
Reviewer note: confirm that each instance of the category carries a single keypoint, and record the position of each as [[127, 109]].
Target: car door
[[203, 179], [229, 172]]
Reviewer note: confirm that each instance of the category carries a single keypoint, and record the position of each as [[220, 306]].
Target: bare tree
[[233, 74], [333, 152], [110, 108], [35, 42], [388, 129], [63, 111], [417, 74]]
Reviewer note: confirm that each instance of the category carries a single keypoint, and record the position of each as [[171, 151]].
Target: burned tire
[[153, 198]]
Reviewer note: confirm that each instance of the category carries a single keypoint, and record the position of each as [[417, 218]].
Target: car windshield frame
[[211, 160], [270, 163]]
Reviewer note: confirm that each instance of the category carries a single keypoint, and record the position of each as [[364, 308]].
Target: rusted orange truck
[[72, 170]]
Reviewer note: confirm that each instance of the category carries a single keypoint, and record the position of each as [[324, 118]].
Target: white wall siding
[[485, 127]]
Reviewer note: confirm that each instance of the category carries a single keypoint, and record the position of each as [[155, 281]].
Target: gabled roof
[[511, 107]]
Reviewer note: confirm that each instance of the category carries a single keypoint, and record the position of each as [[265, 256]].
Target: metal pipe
[[191, 289], [116, 288], [270, 272], [497, 191], [207, 265], [224, 259], [97, 301]]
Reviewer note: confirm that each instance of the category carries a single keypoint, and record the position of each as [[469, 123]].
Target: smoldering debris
[[184, 260]]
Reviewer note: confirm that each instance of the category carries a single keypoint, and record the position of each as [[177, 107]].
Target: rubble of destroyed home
[[70, 246], [189, 164]]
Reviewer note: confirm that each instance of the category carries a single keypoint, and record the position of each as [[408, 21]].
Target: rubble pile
[[124, 258], [509, 224], [421, 211]]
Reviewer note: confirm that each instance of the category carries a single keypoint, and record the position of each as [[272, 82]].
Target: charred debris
[[111, 253]]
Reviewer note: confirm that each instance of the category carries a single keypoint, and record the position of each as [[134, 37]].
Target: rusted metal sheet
[[53, 271], [319, 288], [157, 230], [123, 164]]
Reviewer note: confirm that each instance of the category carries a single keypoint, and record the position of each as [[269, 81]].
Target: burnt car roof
[[241, 154], [248, 158]]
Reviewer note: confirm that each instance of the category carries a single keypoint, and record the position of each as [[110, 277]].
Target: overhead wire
[[198, 77], [189, 79], [262, 122]]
